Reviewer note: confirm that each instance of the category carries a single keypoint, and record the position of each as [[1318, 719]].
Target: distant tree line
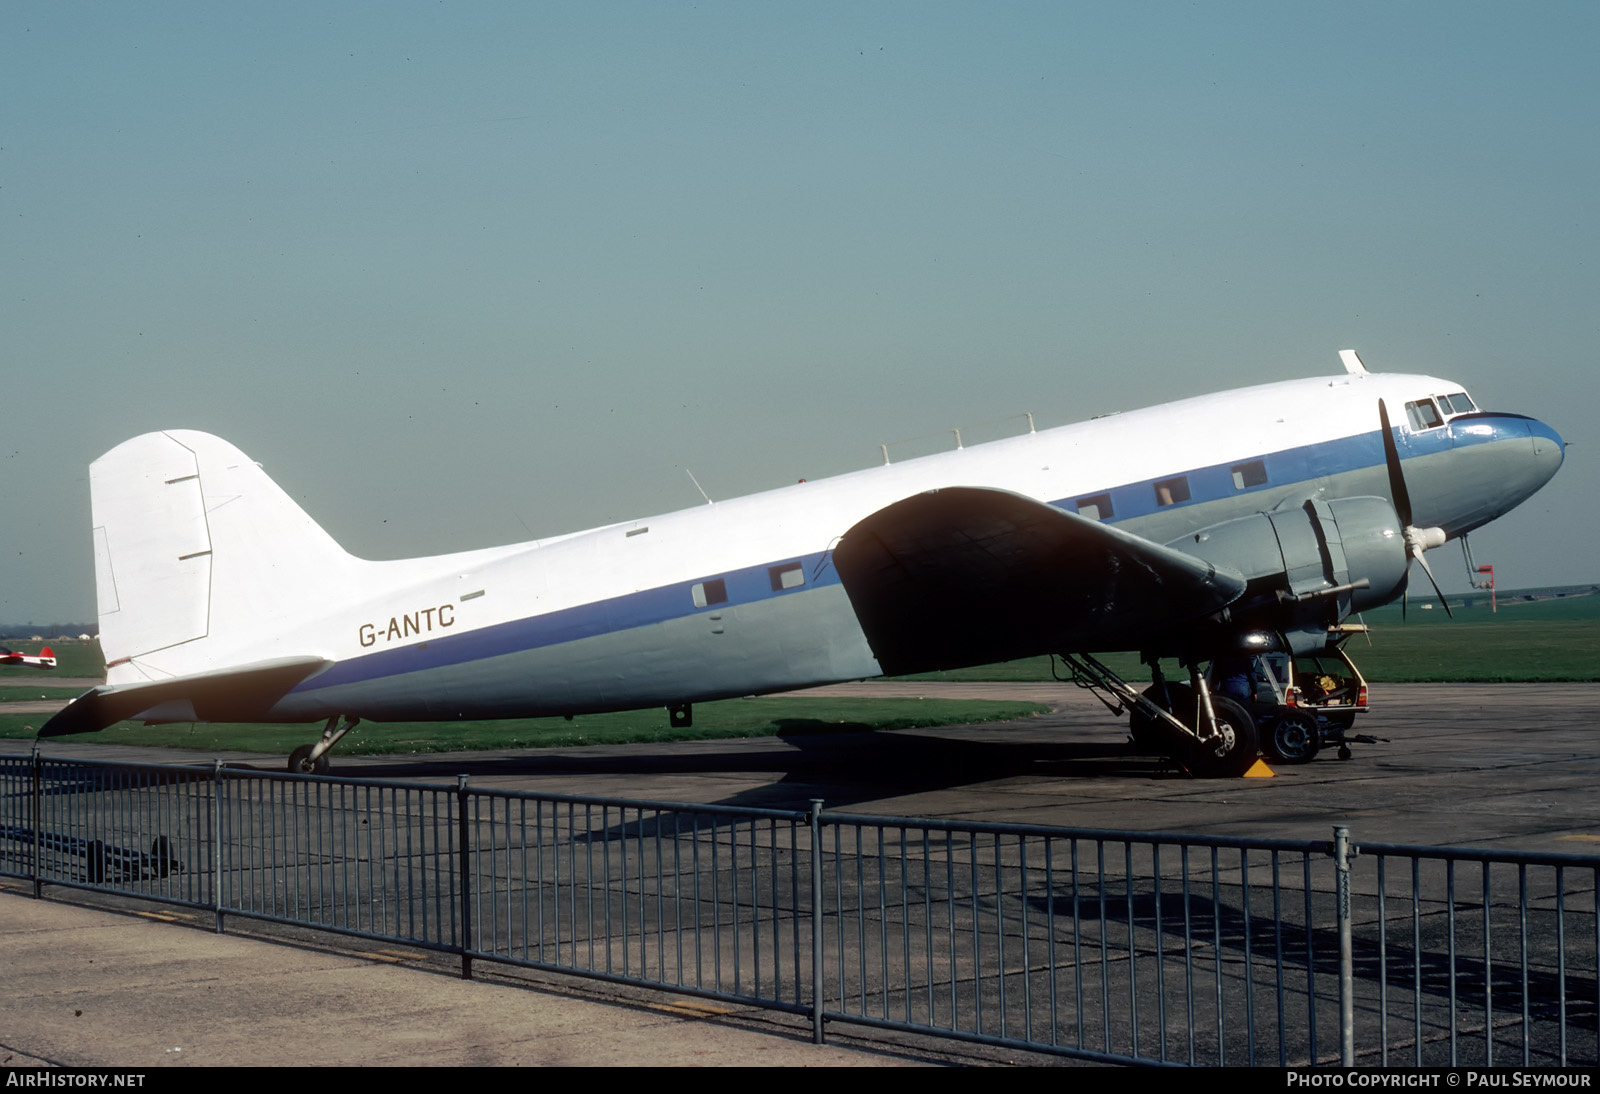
[[25, 631]]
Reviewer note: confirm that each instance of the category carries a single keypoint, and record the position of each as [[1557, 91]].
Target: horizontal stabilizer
[[229, 695], [968, 576]]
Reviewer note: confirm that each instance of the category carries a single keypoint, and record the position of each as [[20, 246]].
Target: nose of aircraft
[[1498, 462], [1529, 465], [1549, 450]]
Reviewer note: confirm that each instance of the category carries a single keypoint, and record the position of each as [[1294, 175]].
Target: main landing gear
[[1212, 736], [313, 759]]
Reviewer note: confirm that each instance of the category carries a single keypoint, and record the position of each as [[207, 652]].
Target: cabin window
[[1423, 415], [1246, 475], [1172, 491], [1097, 507], [707, 593], [787, 576], [1457, 403]]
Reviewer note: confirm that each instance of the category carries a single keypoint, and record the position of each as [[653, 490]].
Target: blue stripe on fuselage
[[618, 613], [752, 583]]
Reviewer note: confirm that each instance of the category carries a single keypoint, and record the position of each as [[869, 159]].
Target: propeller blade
[[1397, 479], [1443, 603], [1417, 539]]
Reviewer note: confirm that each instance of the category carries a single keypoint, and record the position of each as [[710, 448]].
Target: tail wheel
[[301, 763]]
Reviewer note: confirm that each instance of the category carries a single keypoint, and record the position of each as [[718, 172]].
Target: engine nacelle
[[1311, 565]]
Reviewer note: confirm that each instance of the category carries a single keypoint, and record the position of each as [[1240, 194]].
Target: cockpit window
[[1423, 415], [1457, 403]]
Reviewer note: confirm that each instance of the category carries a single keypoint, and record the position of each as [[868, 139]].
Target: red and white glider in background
[[45, 660]]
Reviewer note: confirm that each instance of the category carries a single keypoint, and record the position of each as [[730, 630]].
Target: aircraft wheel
[[1155, 738], [300, 762], [1231, 756], [1293, 739]]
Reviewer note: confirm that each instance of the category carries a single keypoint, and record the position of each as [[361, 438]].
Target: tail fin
[[200, 559], [47, 657]]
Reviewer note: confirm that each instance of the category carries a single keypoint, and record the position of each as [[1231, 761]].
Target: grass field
[[729, 718], [73, 658], [29, 693], [1545, 640], [1540, 641]]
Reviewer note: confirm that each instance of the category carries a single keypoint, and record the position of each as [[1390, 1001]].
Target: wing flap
[[232, 695], [968, 576]]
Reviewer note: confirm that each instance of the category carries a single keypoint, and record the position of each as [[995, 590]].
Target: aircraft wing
[[967, 576], [233, 695]]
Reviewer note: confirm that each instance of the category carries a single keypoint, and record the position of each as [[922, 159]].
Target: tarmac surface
[[1502, 766]]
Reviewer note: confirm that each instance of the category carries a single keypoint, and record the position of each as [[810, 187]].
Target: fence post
[[463, 842], [36, 820], [816, 921], [216, 844], [1341, 868]]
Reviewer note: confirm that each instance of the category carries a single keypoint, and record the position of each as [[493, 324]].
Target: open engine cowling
[[1310, 565]]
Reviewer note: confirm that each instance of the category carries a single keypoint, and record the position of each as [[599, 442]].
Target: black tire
[[1293, 738], [300, 762], [1234, 754], [1155, 738]]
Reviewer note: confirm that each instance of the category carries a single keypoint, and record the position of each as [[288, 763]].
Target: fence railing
[[1112, 945]]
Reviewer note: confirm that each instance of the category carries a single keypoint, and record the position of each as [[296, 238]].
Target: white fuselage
[[706, 602]]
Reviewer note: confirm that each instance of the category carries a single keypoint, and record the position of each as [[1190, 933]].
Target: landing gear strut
[[313, 759], [1210, 735]]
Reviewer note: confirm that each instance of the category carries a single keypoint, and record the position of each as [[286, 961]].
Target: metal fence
[[1121, 946]]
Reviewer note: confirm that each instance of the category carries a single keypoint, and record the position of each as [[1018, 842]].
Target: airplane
[[1178, 531], [45, 660]]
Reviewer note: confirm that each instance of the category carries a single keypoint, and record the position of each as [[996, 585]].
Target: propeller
[[1417, 539]]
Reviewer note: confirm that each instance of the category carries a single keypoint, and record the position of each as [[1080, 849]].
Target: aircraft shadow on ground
[[839, 767]]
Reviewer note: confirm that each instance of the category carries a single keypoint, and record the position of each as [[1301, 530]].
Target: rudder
[[200, 558]]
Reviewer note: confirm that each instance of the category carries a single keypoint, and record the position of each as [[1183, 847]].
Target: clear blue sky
[[462, 273]]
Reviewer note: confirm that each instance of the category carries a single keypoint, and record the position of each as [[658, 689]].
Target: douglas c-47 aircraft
[[1174, 531]]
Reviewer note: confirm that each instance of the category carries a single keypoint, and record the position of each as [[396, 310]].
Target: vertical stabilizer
[[201, 560]]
